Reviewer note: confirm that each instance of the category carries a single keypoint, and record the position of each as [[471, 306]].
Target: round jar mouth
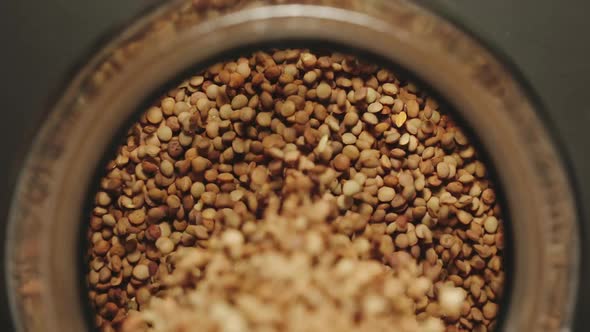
[[43, 250]]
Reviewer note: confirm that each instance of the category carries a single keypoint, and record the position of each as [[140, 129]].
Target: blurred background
[[42, 41]]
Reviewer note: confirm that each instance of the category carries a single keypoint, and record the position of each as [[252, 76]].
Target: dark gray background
[[548, 41]]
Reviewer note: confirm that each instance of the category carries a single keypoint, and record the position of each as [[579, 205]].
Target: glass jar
[[43, 247]]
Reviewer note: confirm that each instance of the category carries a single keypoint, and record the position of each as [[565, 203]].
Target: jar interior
[[366, 56]]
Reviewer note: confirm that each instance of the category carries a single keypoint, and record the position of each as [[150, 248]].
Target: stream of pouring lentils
[[299, 191]]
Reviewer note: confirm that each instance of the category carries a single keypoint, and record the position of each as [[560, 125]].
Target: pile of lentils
[[227, 147]]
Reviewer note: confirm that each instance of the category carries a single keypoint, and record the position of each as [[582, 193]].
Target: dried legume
[[213, 164]]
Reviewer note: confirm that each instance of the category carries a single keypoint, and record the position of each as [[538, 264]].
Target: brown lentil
[[212, 161]]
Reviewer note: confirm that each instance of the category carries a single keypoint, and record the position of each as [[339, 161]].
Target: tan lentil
[[226, 149]]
